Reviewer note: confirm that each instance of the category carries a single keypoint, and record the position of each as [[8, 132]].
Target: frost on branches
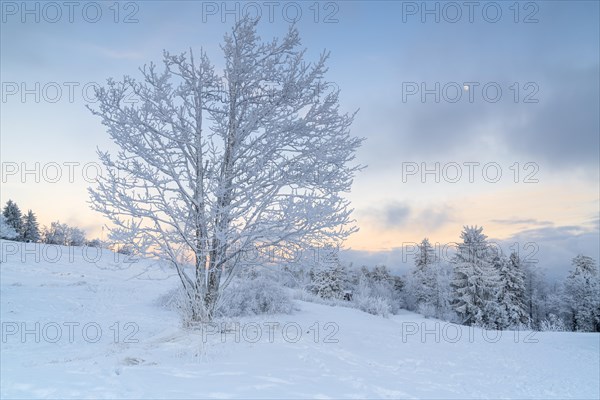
[[423, 274], [489, 289], [31, 230], [429, 287], [328, 276], [511, 294], [13, 219], [6, 230], [212, 164], [475, 279], [582, 295]]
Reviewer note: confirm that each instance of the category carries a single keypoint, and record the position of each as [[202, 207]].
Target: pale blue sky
[[373, 54]]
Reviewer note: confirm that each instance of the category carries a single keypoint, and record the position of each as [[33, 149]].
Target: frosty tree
[[507, 308], [211, 164], [31, 230], [329, 281], [424, 274], [12, 214], [512, 291], [6, 231], [535, 293], [430, 282], [475, 279], [582, 296], [56, 233], [75, 237]]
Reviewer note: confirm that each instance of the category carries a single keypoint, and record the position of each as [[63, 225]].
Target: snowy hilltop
[[92, 323]]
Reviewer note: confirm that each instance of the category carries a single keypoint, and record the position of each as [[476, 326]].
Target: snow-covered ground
[[101, 333]]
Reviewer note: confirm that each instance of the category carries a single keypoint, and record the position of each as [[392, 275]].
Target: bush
[[176, 300], [310, 297], [125, 249], [426, 310], [328, 281], [245, 297], [553, 324], [97, 243], [373, 305]]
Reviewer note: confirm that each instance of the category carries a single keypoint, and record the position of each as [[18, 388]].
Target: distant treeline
[[15, 225]]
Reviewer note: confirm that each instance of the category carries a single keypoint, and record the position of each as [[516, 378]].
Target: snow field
[[77, 327]]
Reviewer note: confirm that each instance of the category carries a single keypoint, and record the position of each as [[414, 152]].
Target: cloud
[[399, 260], [522, 221], [560, 130], [389, 216], [397, 215], [552, 248], [433, 218], [563, 130], [118, 54]]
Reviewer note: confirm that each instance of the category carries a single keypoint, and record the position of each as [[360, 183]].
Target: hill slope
[[101, 333]]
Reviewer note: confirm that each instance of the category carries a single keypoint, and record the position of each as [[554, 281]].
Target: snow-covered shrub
[[448, 315], [386, 290], [427, 310], [373, 305], [366, 300], [170, 299], [124, 249], [328, 281], [256, 296], [295, 275], [305, 295], [12, 219], [375, 291], [245, 296], [553, 323], [378, 291], [176, 300], [63, 235], [97, 243], [75, 237], [6, 231]]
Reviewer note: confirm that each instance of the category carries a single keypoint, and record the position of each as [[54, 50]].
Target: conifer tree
[[424, 274], [13, 216], [582, 298], [31, 230], [474, 280], [509, 309]]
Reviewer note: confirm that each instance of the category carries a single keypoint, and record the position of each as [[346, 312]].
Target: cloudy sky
[[480, 114]]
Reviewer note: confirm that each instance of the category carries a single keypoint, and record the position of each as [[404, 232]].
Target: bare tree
[[212, 164]]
